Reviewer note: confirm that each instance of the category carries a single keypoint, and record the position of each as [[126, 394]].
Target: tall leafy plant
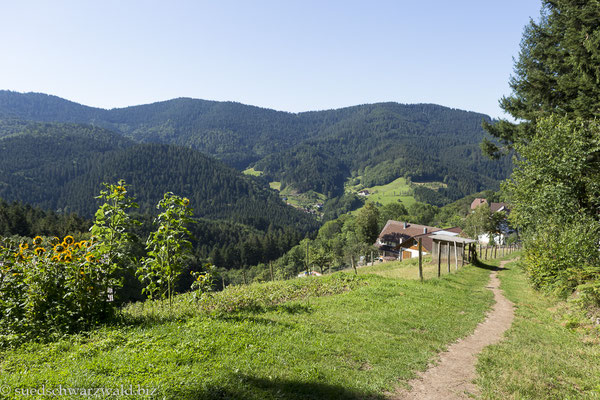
[[111, 238], [167, 247]]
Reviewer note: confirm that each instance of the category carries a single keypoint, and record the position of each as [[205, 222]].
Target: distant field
[[252, 171], [275, 185], [392, 192]]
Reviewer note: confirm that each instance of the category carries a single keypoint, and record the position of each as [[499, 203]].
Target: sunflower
[[85, 243], [23, 246], [60, 248], [55, 240], [69, 240], [55, 258], [186, 201], [40, 251], [90, 258], [77, 246], [37, 240], [67, 257]]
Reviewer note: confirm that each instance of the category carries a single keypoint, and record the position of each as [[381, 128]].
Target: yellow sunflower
[[60, 248], [90, 258], [69, 240], [40, 251], [37, 240], [186, 201], [23, 246]]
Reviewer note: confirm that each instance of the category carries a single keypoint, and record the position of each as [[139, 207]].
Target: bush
[[562, 258]]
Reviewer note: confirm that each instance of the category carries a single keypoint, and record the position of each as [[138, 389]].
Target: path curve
[[452, 376]]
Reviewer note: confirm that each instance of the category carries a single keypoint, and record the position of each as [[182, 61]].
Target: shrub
[[563, 257]]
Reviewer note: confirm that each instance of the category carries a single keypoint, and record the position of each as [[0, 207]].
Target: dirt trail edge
[[452, 376]]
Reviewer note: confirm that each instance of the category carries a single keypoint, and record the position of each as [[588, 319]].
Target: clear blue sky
[[292, 55]]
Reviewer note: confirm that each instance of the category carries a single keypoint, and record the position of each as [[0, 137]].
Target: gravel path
[[452, 376]]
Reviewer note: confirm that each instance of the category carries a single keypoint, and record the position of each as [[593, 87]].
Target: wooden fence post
[[448, 255], [455, 257], [420, 260], [462, 258], [439, 259]]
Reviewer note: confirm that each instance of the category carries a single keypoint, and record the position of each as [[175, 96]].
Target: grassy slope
[[391, 192], [356, 344], [544, 355], [252, 171]]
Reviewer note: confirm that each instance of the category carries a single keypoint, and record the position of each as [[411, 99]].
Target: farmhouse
[[399, 240], [504, 228], [494, 207]]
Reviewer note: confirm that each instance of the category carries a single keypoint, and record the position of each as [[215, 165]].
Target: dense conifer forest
[[308, 151]]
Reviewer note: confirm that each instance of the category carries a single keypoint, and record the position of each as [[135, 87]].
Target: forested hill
[[61, 166], [316, 150]]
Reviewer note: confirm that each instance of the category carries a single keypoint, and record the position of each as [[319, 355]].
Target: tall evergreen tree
[[557, 72]]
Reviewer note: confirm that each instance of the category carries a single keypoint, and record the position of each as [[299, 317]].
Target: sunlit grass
[[548, 353], [252, 171], [356, 344]]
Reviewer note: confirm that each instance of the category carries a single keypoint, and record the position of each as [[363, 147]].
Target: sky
[[288, 55]]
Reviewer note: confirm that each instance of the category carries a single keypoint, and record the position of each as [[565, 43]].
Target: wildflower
[[69, 240], [40, 251], [37, 240], [60, 248]]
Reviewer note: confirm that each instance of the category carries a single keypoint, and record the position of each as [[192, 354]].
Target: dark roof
[[495, 207], [393, 231]]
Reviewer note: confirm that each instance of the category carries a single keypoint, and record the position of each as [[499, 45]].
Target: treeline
[[60, 166], [25, 220], [554, 191]]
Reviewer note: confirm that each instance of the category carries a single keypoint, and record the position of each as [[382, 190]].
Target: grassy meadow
[[552, 350], [335, 337], [396, 190]]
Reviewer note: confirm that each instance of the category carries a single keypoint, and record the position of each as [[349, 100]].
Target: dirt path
[[452, 376]]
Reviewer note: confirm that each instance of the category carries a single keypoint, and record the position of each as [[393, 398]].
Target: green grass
[[550, 352], [333, 337], [408, 269], [252, 171], [275, 185], [392, 192]]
